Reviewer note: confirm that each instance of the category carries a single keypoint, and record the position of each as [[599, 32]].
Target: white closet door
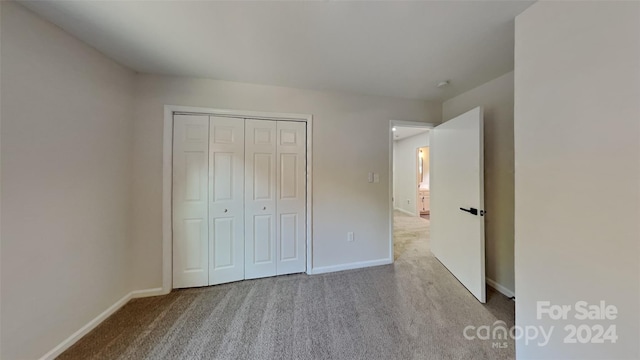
[[190, 239], [260, 198], [291, 197], [226, 200]]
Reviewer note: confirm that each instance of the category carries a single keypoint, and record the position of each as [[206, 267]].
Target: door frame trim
[[167, 177], [400, 123]]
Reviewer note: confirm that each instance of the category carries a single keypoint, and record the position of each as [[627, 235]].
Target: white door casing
[[190, 179], [291, 197], [457, 188], [260, 198], [226, 200]]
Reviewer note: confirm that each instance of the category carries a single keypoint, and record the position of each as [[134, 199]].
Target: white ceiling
[[405, 132], [400, 49]]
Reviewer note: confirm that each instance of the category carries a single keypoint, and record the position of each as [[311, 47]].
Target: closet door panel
[[291, 195], [262, 240], [190, 229], [226, 200], [260, 198]]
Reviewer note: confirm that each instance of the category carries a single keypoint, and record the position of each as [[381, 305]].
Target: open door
[[457, 199]]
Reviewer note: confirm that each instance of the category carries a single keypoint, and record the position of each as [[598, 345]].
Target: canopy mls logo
[[593, 326], [498, 333]]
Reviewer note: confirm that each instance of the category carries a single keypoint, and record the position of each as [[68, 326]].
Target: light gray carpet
[[413, 309]]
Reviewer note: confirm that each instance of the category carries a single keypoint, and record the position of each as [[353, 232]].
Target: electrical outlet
[[350, 236]]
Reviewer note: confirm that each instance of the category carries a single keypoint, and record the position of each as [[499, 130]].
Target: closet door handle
[[264, 208], [225, 210]]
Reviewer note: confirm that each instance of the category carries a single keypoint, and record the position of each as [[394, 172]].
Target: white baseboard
[[405, 211], [501, 289], [56, 351], [350, 266], [147, 292]]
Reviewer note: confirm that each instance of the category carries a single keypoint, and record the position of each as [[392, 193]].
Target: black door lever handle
[[472, 211]]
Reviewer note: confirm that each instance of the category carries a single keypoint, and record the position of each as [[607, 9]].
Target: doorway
[[410, 186], [456, 238]]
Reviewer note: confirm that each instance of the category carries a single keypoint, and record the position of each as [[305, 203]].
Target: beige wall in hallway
[[496, 97], [405, 181]]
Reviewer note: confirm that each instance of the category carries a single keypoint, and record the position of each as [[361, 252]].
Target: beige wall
[[66, 174], [496, 97], [350, 139], [405, 180], [577, 179], [0, 184]]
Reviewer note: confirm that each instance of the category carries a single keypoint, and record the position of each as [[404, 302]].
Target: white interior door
[[457, 199], [260, 198], [291, 197], [190, 239], [226, 200]]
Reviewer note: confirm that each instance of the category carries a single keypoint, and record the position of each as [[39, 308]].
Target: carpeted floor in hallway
[[412, 309]]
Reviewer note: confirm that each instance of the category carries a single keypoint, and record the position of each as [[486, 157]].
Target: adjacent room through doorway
[[410, 189], [423, 183]]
